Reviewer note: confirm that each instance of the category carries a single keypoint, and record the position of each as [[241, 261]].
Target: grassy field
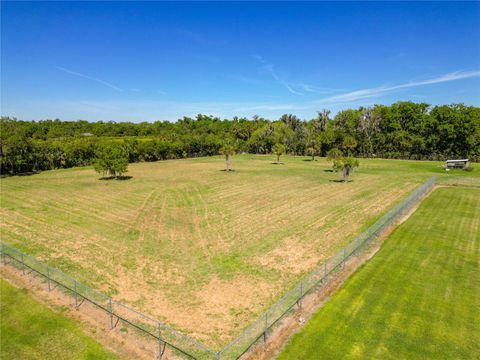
[[204, 250], [418, 298], [30, 331]]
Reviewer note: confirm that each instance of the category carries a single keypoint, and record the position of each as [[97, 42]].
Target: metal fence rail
[[183, 345]]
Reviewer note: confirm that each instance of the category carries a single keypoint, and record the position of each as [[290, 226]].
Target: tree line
[[403, 130]]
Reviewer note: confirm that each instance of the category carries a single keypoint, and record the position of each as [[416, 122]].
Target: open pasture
[[418, 298], [203, 250]]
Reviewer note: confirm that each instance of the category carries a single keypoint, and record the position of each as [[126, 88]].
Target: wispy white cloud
[[270, 69], [292, 87], [100, 81], [314, 89], [382, 90]]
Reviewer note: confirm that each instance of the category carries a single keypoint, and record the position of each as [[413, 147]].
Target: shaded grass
[[30, 330], [418, 298]]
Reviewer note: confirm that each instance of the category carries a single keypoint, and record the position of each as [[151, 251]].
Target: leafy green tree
[[279, 150], [228, 149], [368, 126], [402, 130], [111, 159]]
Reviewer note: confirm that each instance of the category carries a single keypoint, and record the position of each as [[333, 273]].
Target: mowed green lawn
[[32, 331], [204, 250], [418, 298]]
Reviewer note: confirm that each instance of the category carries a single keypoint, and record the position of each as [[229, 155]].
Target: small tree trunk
[[278, 158]]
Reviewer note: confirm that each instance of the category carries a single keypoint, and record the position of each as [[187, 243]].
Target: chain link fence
[[181, 344], [459, 181], [260, 329], [165, 336]]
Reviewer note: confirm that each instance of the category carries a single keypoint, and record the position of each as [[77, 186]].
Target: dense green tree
[[111, 159], [403, 130]]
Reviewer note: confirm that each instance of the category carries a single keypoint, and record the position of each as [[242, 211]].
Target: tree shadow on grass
[[328, 170], [341, 181], [29, 173], [120, 178], [309, 160], [229, 170], [277, 163]]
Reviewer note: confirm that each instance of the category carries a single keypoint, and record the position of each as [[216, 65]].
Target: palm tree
[[349, 144], [313, 147], [347, 165], [278, 149], [322, 119], [228, 150], [335, 156]]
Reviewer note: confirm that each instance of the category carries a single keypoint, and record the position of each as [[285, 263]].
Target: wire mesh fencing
[[182, 345], [163, 335], [259, 330], [459, 181]]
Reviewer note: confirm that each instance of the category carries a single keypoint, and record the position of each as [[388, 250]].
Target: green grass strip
[[418, 298], [30, 330]]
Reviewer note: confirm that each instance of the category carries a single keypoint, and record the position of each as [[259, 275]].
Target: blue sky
[[148, 61]]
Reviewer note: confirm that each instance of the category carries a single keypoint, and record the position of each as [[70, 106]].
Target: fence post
[[301, 295], [48, 278], [160, 353], [23, 265], [111, 313], [75, 291], [265, 331]]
